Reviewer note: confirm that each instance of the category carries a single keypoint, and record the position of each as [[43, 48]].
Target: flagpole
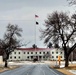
[[35, 35], [36, 23], [35, 31]]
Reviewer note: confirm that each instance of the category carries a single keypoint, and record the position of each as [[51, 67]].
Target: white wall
[[1, 59], [16, 54], [24, 56], [55, 53]]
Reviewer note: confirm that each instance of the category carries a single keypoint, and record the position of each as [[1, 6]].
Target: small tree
[[10, 41], [62, 29], [49, 45], [34, 46]]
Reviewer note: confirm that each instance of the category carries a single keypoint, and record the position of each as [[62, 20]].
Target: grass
[[71, 67], [2, 69], [65, 69]]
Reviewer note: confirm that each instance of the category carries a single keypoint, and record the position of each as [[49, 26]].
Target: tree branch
[[68, 38], [71, 49]]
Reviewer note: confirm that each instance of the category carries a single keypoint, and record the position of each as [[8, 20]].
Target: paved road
[[35, 69]]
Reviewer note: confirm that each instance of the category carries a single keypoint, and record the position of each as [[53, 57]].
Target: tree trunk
[[66, 61], [6, 64]]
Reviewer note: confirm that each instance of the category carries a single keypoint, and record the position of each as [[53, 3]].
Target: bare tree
[[60, 28], [72, 2], [10, 41]]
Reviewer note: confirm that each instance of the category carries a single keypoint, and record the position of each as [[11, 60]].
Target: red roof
[[33, 49]]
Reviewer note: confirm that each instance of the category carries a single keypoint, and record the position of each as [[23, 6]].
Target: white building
[[55, 53], [39, 53]]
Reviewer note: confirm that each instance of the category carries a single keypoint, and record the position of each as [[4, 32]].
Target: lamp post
[[59, 58]]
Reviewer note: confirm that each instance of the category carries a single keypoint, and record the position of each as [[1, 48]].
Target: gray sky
[[22, 13]]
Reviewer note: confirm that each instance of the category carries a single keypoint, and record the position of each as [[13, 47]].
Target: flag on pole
[[36, 16], [37, 23]]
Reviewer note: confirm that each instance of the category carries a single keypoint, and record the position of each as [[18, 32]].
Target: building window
[[27, 52], [43, 56], [28, 57], [47, 52], [61, 52], [10, 57], [14, 52], [56, 56], [52, 56], [56, 52], [35, 52], [52, 52], [31, 57], [15, 57], [31, 52], [19, 57], [40, 57], [43, 52], [19, 53], [24, 52], [40, 52]]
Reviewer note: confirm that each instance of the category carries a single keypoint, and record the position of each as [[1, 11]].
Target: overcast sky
[[22, 13]]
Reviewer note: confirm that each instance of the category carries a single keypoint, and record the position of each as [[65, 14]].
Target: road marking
[[52, 70]]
